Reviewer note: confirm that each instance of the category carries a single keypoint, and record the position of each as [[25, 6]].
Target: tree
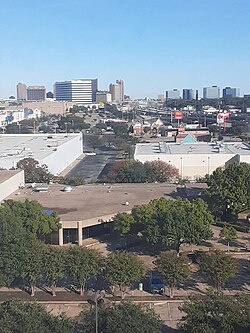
[[94, 141], [31, 265], [54, 266], [123, 269], [32, 216], [229, 189], [216, 313], [21, 317], [163, 171], [123, 318], [33, 172], [229, 234], [217, 268], [173, 269], [174, 222], [82, 264], [123, 222]]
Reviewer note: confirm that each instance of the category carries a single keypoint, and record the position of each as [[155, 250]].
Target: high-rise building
[[211, 92], [21, 91], [78, 91], [173, 94], [229, 92], [189, 94], [36, 93], [117, 91], [103, 97]]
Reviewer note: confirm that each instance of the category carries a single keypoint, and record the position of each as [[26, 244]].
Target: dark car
[[156, 283]]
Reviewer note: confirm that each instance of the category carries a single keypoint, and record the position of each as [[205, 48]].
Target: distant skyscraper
[[36, 93], [78, 91], [21, 91], [211, 92], [49, 94], [117, 91], [173, 94], [229, 92], [189, 94]]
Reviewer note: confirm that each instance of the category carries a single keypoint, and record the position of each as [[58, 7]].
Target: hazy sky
[[154, 45]]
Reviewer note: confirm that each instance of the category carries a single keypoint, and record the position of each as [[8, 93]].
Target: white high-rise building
[[211, 92], [78, 91], [173, 94], [117, 91]]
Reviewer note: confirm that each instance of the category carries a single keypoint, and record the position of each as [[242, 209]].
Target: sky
[[153, 45]]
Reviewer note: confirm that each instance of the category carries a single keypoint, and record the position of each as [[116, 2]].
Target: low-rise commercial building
[[194, 160], [57, 151]]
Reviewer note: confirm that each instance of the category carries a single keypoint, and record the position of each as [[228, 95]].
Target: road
[[90, 167]]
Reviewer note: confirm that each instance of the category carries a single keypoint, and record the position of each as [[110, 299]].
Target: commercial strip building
[[77, 91], [57, 151], [88, 210], [194, 160]]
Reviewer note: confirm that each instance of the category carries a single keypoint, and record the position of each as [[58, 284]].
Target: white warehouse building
[[194, 160], [57, 151]]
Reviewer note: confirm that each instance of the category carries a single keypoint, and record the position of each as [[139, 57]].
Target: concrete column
[[79, 227], [60, 232]]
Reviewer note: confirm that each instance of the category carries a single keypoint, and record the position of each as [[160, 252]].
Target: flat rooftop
[[6, 174], [90, 201], [192, 148], [38, 146]]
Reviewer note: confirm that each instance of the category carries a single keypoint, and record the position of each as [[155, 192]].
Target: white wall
[[11, 185], [66, 154], [192, 166]]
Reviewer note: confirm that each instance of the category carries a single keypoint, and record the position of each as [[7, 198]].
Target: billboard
[[178, 115], [222, 117]]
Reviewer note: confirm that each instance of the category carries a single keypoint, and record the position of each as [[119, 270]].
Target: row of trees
[[137, 172]]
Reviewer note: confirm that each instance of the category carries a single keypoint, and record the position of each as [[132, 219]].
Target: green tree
[[31, 264], [54, 266], [229, 189], [123, 269], [21, 317], [174, 222], [216, 313], [31, 215], [33, 172], [217, 267], [173, 269], [123, 222], [83, 264], [229, 234], [122, 318]]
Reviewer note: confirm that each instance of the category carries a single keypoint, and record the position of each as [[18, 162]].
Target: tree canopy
[[174, 222], [172, 268], [21, 317], [123, 269], [217, 267], [216, 313], [229, 233], [33, 172], [229, 189], [123, 318]]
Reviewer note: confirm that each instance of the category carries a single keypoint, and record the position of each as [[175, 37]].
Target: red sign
[[178, 115]]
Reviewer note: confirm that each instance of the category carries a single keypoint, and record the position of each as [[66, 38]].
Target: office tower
[[229, 92], [189, 94], [211, 92], [36, 93], [117, 91], [78, 91], [103, 97], [173, 94], [49, 94], [21, 91]]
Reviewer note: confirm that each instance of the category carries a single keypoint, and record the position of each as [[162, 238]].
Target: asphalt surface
[[90, 167]]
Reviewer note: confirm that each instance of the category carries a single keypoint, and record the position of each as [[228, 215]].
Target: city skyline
[[153, 46]]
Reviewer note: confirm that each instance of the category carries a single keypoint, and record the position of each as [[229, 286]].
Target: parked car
[[156, 283]]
